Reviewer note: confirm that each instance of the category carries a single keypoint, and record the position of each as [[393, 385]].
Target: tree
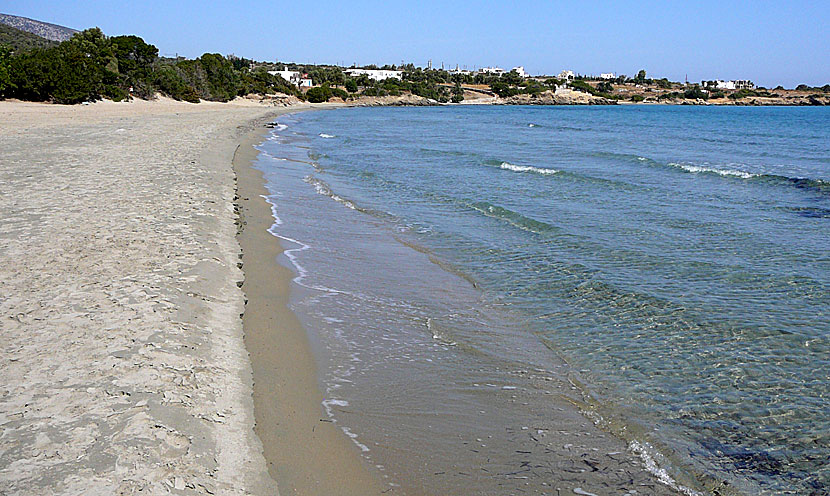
[[641, 76], [351, 86], [457, 93], [5, 77], [318, 94], [605, 87], [512, 77]]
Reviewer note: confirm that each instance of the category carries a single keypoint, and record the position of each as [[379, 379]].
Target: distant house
[[521, 71], [292, 77], [737, 84], [498, 71], [566, 75], [607, 75], [375, 74], [306, 82]]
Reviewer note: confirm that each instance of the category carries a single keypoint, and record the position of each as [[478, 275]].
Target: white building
[[375, 74], [292, 77], [305, 82], [737, 84], [498, 71], [607, 75], [459, 71], [521, 71], [567, 75]]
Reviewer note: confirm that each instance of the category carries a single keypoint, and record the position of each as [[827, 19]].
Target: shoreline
[[574, 419], [306, 453]]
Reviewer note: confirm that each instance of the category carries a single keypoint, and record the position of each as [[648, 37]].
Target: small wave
[[324, 189], [660, 473], [695, 169], [513, 218], [532, 125], [527, 168], [324, 135], [818, 185], [437, 334]]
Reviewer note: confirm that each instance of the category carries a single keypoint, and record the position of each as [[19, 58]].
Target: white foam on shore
[[353, 437], [291, 253], [660, 473], [277, 220], [527, 168]]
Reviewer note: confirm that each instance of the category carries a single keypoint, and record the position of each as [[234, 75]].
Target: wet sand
[[307, 453]]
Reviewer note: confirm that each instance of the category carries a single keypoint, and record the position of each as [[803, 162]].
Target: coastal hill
[[46, 30], [21, 41]]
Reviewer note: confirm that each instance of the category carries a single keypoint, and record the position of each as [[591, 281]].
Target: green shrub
[[114, 93], [318, 94], [5, 77], [351, 86], [637, 98], [695, 93], [337, 92]]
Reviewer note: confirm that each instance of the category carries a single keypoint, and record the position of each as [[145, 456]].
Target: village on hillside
[[497, 85]]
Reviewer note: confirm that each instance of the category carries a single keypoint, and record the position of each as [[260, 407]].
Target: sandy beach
[[123, 365]]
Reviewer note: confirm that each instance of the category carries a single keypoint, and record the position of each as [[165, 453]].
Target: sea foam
[[723, 172], [527, 168]]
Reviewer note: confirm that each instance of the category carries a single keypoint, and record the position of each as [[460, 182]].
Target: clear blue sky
[[769, 42]]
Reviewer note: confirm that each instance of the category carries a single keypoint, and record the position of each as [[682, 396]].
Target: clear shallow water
[[673, 261]]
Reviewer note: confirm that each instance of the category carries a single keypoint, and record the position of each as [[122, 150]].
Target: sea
[[471, 276]]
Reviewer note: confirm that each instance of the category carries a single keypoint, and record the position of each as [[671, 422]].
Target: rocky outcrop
[[566, 97], [43, 29], [407, 100], [755, 101]]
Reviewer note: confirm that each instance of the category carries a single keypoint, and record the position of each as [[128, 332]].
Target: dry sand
[[122, 363]]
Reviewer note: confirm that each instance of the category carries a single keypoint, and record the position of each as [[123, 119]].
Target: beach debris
[[582, 492]]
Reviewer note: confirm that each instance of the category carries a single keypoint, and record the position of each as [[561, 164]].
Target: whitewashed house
[[375, 74], [498, 71], [737, 84], [292, 77], [607, 75], [566, 75], [521, 71]]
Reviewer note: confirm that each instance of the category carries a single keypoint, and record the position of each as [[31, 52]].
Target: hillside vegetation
[[91, 66], [19, 40]]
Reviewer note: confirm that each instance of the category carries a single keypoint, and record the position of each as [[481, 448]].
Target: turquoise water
[[674, 260]]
